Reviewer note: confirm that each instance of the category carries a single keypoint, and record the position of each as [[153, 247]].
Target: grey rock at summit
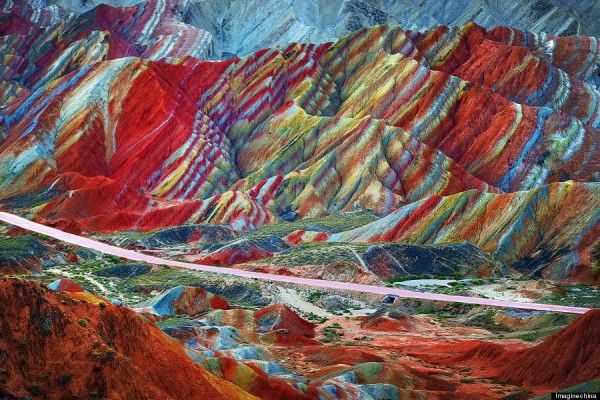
[[240, 27]]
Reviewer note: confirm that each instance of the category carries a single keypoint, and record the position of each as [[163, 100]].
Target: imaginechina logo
[[575, 396]]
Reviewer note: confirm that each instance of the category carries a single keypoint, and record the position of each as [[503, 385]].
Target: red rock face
[[66, 285], [234, 253], [567, 358], [60, 347], [284, 322], [195, 299], [183, 300], [385, 323]]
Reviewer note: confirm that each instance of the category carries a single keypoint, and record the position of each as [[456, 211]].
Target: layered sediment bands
[[572, 350], [551, 228], [523, 67], [510, 145], [332, 164], [100, 133], [46, 44]]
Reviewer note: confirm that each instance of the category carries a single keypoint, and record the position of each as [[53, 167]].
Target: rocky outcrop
[[183, 300], [241, 27], [21, 254], [519, 229], [56, 347]]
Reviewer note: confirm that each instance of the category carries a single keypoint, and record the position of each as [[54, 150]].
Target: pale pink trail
[[133, 255]]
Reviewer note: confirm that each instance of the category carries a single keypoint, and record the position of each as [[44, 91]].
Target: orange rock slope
[[54, 346], [567, 358]]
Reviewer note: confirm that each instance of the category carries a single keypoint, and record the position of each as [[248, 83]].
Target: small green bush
[[314, 296], [529, 338], [595, 253], [46, 329]]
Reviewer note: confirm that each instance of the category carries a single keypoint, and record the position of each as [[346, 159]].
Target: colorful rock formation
[[109, 123], [183, 300], [555, 226], [387, 152], [567, 358]]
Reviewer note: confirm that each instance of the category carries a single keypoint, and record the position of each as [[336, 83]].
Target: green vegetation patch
[[322, 253], [19, 248], [334, 223], [577, 295]]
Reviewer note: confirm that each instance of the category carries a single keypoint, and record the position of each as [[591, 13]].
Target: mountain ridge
[[377, 121]]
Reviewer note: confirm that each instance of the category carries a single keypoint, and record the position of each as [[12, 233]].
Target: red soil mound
[[278, 317], [480, 351], [66, 285], [285, 337], [392, 322], [241, 252], [54, 346], [387, 324], [569, 357]]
